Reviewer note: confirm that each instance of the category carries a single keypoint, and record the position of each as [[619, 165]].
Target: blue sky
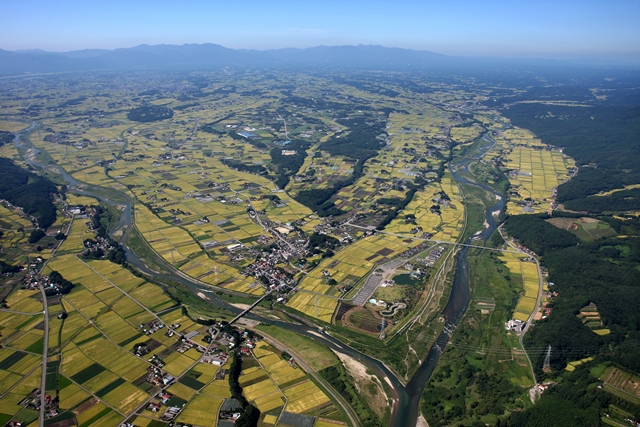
[[537, 28]]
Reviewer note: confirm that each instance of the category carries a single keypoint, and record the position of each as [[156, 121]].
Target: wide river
[[406, 407]]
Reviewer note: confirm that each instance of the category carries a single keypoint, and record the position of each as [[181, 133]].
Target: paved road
[[45, 353], [443, 242], [535, 309], [45, 346], [22, 312]]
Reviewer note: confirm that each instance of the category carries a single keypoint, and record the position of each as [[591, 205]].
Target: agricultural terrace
[[622, 384], [10, 151], [590, 317], [274, 385], [528, 272], [571, 366], [404, 157], [16, 228], [616, 190], [416, 146], [322, 171]]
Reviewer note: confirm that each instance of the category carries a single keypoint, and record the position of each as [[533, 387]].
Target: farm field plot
[[27, 301], [10, 402], [12, 220], [75, 238], [11, 322], [28, 341], [519, 136], [317, 298], [182, 391], [623, 384], [202, 410], [217, 388], [304, 397], [275, 382], [279, 369], [12, 126], [80, 200], [535, 174], [466, 133], [76, 271], [527, 272], [585, 228]]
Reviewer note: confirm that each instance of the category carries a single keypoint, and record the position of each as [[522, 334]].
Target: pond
[[405, 279]]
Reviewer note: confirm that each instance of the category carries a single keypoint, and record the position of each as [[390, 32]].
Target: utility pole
[[547, 361]]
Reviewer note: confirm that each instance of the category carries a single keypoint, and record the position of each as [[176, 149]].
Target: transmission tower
[[316, 306], [547, 361], [382, 334]]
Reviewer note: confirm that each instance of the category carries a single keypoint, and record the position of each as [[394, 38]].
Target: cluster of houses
[[33, 401], [187, 343], [153, 326], [264, 269], [157, 376], [98, 247], [161, 400], [32, 282]]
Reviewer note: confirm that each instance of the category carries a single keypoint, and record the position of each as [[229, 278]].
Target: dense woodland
[[626, 200], [31, 192], [251, 414], [5, 137], [604, 272], [603, 139], [362, 141], [287, 166], [150, 113]]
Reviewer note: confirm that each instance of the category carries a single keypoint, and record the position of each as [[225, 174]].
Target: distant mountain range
[[212, 56]]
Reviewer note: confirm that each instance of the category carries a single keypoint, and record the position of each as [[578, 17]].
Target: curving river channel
[[406, 399]]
